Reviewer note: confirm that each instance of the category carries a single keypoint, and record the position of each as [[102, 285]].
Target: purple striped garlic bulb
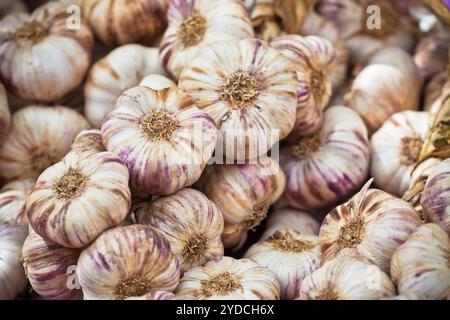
[[125, 262], [77, 199], [5, 115], [229, 279], [12, 207], [244, 194], [162, 137], [88, 140], [155, 295], [314, 59], [421, 264], [48, 268], [325, 168], [249, 89], [371, 225], [395, 149], [291, 256], [191, 223], [194, 23]]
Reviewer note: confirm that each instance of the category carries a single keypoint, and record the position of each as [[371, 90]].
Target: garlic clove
[[157, 82], [88, 140], [5, 115]]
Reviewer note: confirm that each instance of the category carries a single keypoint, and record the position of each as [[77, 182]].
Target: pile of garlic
[[223, 149]]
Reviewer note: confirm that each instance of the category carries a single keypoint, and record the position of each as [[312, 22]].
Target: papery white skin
[[89, 140], [25, 185], [157, 82], [5, 115], [420, 265], [155, 295], [256, 282], [12, 207]]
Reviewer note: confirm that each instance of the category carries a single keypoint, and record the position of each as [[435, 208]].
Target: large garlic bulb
[[421, 264], [88, 140], [12, 276], [290, 255], [194, 23], [249, 89], [39, 137], [372, 225], [41, 58], [243, 194], [12, 207], [229, 279], [77, 199], [126, 262], [191, 223], [327, 167], [395, 148], [122, 69], [347, 278], [5, 115]]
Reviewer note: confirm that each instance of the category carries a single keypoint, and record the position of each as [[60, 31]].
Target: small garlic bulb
[[243, 194], [290, 255], [395, 148], [39, 137], [432, 52], [191, 223], [47, 266], [421, 264], [5, 115], [314, 59], [57, 57], [155, 295], [89, 140], [325, 168], [12, 276], [117, 22], [122, 69], [157, 82], [126, 262], [347, 278], [77, 199], [25, 185], [249, 89], [372, 225], [229, 279], [162, 137], [12, 207], [194, 23]]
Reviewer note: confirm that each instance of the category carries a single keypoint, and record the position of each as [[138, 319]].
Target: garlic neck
[[240, 90], [317, 81], [221, 284], [31, 31]]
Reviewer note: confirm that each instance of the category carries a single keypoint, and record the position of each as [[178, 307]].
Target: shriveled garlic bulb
[[347, 278], [162, 137], [157, 82], [57, 57], [314, 59], [395, 148], [12, 207], [89, 140], [249, 89], [122, 69], [25, 185], [327, 167], [372, 225], [47, 266], [77, 199], [126, 262], [117, 22], [191, 223], [435, 199], [290, 255], [39, 137], [229, 279], [243, 194], [12, 276], [5, 115], [155, 295], [194, 23], [11, 6], [431, 55], [420, 265]]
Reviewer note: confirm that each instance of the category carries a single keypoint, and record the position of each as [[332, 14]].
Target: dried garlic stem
[[306, 146], [259, 214], [133, 287], [32, 31], [240, 90], [192, 30], [221, 284], [70, 185], [328, 294], [351, 234], [411, 150], [159, 126], [195, 248], [285, 241], [317, 80]]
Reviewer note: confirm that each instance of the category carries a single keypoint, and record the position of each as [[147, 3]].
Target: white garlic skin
[[25, 185], [88, 140], [157, 82], [5, 115], [420, 265], [12, 207]]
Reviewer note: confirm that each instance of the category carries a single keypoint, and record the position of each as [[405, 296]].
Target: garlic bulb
[[347, 278], [127, 262], [11, 6], [25, 185], [290, 255], [47, 266], [229, 279], [12, 207], [395, 148], [12, 275], [164, 140], [119, 22], [431, 55], [88, 140], [39, 137], [57, 57], [155, 295], [243, 194], [122, 69], [420, 265], [372, 225], [191, 223], [327, 167], [157, 82], [77, 199], [435, 199], [314, 59], [5, 115], [194, 23]]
